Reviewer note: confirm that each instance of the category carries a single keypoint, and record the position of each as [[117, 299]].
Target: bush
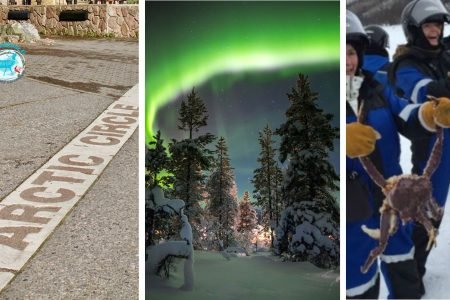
[[307, 234]]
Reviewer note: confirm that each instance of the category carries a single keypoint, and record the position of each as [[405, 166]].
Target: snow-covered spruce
[[246, 223], [156, 160], [266, 181], [159, 254], [307, 137], [161, 215], [222, 193], [191, 160], [307, 234], [308, 229]]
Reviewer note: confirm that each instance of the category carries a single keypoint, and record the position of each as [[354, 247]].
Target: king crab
[[408, 197]]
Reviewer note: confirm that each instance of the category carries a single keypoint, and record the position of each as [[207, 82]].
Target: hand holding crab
[[409, 196]]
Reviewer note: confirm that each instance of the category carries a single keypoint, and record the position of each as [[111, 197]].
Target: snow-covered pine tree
[[309, 226], [222, 194], [246, 225], [278, 195], [190, 159], [264, 179], [156, 161], [306, 139], [247, 215], [193, 114]]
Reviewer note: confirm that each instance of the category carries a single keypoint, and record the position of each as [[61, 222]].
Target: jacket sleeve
[[414, 86], [406, 115]]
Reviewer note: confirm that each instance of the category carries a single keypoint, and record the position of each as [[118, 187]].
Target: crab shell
[[408, 194]]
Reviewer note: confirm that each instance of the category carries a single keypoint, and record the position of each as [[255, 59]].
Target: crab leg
[[435, 210], [393, 222], [365, 161], [436, 153], [432, 232], [373, 172], [385, 225]]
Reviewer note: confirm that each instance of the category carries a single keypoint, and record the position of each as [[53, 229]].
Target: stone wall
[[104, 20]]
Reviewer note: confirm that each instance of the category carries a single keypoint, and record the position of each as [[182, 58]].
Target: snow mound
[[158, 252], [236, 251]]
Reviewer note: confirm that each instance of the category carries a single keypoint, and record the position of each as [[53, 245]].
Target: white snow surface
[[259, 276], [437, 277]]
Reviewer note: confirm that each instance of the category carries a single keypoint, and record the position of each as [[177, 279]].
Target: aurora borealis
[[242, 57]]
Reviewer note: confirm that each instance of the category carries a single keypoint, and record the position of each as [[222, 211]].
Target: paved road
[[94, 251]]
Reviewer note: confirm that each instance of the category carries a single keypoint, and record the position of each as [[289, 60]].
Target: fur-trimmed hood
[[401, 50]]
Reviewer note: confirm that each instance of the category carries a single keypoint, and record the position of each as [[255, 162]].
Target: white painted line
[[5, 277], [32, 212]]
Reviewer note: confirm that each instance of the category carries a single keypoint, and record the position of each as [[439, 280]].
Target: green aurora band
[[188, 43]]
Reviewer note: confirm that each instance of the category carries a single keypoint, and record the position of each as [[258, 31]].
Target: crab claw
[[373, 255]]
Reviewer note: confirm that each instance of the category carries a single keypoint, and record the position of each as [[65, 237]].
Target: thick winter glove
[[432, 114], [360, 139]]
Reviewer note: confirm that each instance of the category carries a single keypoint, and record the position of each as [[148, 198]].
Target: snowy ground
[[259, 276], [437, 278]]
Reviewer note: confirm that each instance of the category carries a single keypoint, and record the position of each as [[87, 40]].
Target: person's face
[[351, 64], [432, 31]]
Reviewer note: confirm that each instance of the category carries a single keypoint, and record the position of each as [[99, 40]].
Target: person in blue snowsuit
[[376, 58], [380, 109], [420, 68], [384, 116], [397, 261]]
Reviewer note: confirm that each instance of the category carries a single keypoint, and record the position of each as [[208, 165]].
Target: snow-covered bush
[[160, 256], [307, 234], [166, 266], [162, 216]]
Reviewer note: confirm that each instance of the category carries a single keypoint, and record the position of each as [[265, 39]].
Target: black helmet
[[356, 36], [355, 31], [378, 37], [418, 12]]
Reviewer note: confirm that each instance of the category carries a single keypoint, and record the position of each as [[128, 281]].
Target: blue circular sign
[[12, 65]]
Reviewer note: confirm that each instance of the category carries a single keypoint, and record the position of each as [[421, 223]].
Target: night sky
[[242, 58]]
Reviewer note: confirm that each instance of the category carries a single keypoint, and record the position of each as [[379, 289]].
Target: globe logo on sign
[[12, 63]]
